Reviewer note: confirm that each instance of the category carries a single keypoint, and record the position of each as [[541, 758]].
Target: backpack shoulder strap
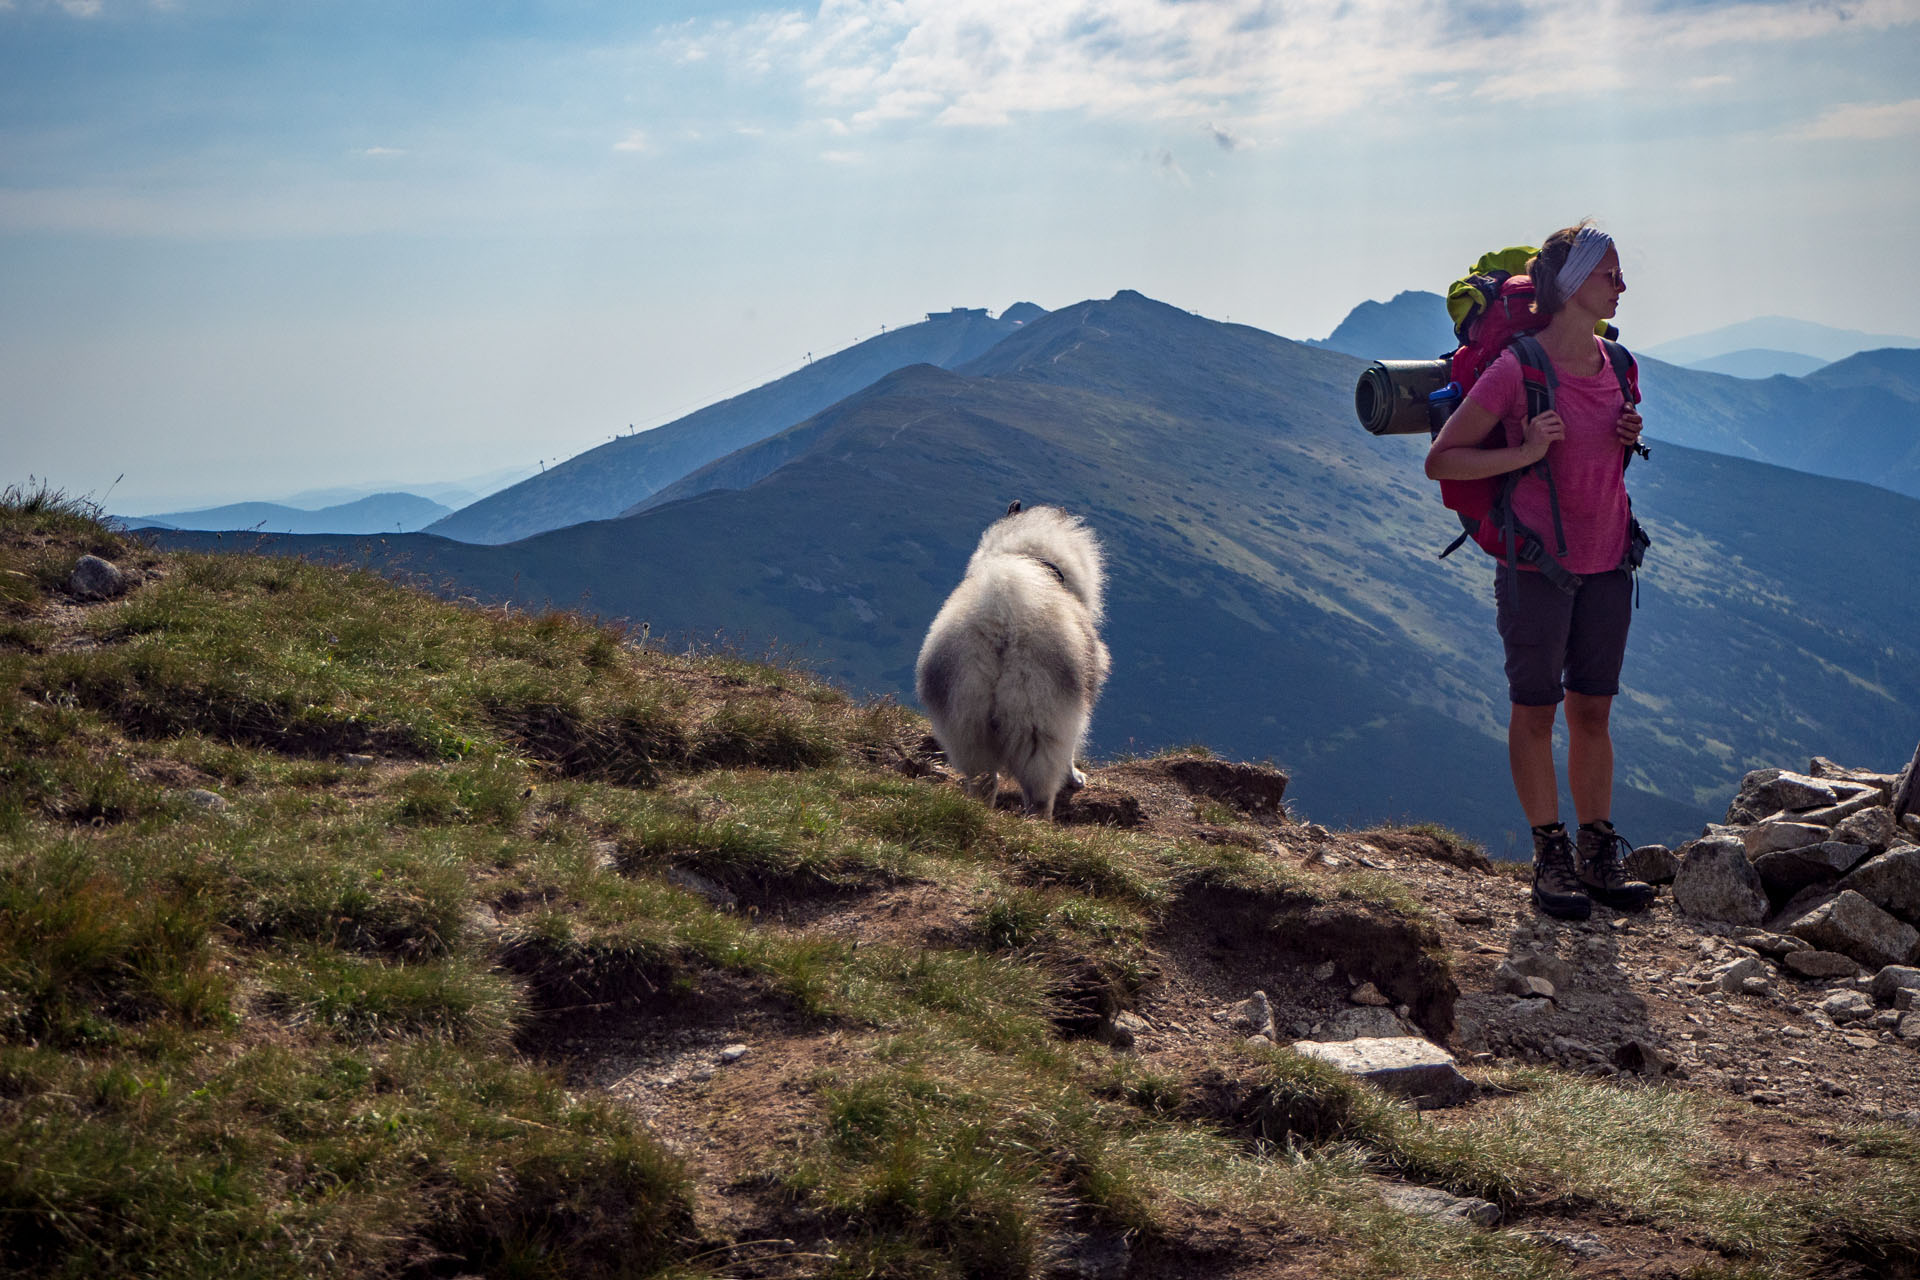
[[1628, 372], [1624, 369], [1536, 372]]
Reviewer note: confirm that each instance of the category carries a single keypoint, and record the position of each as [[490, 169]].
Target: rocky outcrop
[[1834, 854]]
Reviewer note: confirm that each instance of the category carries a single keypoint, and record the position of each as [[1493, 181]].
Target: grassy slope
[[298, 1030]]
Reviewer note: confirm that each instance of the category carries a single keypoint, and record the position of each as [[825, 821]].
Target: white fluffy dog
[[1013, 662]]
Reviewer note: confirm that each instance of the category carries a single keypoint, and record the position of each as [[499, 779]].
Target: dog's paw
[[1076, 780]]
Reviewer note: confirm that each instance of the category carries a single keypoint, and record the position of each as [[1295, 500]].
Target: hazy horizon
[[252, 249]]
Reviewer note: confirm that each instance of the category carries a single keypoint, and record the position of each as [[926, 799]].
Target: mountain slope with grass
[[351, 932], [1274, 588], [610, 479]]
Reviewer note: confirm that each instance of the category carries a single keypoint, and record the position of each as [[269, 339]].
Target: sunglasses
[[1617, 279]]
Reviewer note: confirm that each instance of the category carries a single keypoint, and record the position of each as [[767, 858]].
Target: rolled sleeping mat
[[1392, 396]]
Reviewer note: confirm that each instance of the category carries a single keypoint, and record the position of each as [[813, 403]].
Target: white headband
[[1589, 246]]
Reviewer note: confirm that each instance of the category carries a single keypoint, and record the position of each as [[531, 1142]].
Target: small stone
[[1768, 943], [1643, 1057], [1324, 972], [1653, 863], [1255, 1013], [96, 579], [1260, 1042], [1895, 978], [1730, 977], [1541, 964], [1581, 1244], [355, 761], [1755, 986], [1368, 994], [1530, 1008], [1126, 1028], [212, 801], [1846, 1006], [1441, 1206], [1820, 964], [733, 1053], [1406, 1065]]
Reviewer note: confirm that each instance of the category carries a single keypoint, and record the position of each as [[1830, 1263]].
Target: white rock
[[1406, 1065]]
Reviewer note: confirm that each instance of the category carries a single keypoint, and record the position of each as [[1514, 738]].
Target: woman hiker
[[1562, 644]]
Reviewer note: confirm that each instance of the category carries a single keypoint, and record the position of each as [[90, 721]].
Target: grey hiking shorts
[[1557, 642]]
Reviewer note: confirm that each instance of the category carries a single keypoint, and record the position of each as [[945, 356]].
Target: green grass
[[302, 1033]]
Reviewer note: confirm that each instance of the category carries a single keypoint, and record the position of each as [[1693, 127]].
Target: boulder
[[1746, 805], [1890, 881], [1873, 827], [1732, 978], [1853, 926], [1833, 815], [1794, 791], [1717, 882], [1407, 1065], [1827, 771], [1786, 872], [1774, 835], [1368, 994], [96, 579], [1893, 979], [1126, 1028], [1653, 863], [1812, 963]]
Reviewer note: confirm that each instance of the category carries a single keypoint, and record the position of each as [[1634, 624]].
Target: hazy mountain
[[378, 513], [605, 481], [1776, 333], [1274, 591], [1414, 326], [1756, 362], [1856, 419]]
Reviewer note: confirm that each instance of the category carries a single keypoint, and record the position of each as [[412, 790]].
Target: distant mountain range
[[1776, 333], [378, 513], [1274, 590], [614, 478], [1857, 418], [1758, 362]]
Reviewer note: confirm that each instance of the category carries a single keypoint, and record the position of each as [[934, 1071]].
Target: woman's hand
[[1541, 434], [1627, 429]]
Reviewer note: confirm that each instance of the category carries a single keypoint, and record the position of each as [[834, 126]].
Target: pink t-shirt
[[1586, 464]]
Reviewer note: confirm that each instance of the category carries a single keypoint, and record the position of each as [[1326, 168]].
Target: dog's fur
[[1013, 662]]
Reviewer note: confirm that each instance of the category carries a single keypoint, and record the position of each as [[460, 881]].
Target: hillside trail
[[727, 1080]]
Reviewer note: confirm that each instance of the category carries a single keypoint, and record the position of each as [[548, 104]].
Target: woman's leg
[[1530, 754], [1589, 756]]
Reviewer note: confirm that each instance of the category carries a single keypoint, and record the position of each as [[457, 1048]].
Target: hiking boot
[[1601, 858], [1556, 886]]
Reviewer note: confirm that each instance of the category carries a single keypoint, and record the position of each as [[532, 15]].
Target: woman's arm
[[1456, 453]]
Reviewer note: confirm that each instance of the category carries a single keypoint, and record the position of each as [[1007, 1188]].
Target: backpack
[[1492, 310]]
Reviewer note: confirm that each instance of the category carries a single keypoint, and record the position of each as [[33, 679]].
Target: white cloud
[[1252, 64], [383, 153], [841, 157], [635, 141], [1863, 121]]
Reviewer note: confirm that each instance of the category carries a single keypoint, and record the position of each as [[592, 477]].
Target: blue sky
[[252, 248]]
